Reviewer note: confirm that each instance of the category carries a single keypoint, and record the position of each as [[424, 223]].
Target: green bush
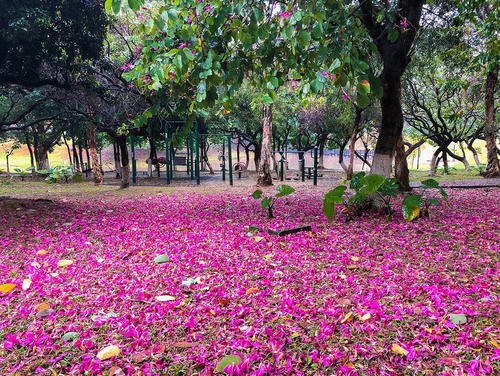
[[268, 202], [364, 186], [418, 204]]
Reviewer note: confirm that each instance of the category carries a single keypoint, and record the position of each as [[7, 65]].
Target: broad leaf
[[371, 183], [266, 201], [429, 183], [411, 207], [284, 190], [356, 181], [227, 361], [257, 194], [332, 198], [457, 318]]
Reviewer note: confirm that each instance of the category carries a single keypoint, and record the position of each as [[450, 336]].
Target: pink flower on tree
[[285, 15]]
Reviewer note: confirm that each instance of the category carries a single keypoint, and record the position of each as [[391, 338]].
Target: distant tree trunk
[[264, 170], [80, 155], [125, 168], [247, 157], [256, 156], [474, 154], [341, 156], [28, 144], [401, 167], [75, 153], [116, 155], [96, 168], [42, 158], [321, 158], [418, 158], [7, 162], [462, 159], [87, 151], [445, 162], [152, 154], [490, 126], [352, 143], [68, 149], [434, 161]]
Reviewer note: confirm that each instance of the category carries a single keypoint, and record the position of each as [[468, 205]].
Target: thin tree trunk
[[75, 154], [418, 158], [435, 161], [445, 162], [8, 166], [247, 156], [474, 154], [116, 154], [80, 155], [68, 149], [490, 126], [264, 170], [321, 158], [28, 144], [352, 143], [125, 168], [401, 166], [341, 156], [88, 153], [96, 168]]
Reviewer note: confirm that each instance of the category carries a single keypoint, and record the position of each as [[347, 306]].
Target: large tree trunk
[[264, 170], [392, 125], [42, 158], [352, 143], [490, 126], [401, 167], [96, 168], [125, 168]]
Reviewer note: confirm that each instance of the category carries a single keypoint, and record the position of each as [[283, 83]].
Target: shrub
[[418, 204], [268, 202], [364, 186]]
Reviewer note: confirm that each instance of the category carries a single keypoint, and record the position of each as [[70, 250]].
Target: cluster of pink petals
[[126, 66], [330, 302]]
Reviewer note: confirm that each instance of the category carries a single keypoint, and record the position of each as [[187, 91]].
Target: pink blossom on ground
[[280, 303]]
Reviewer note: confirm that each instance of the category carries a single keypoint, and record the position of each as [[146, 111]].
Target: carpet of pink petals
[[361, 297]]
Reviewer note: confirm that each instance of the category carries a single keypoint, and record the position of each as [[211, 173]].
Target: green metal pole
[[187, 156], [315, 180], [282, 168], [191, 155], [197, 145], [230, 159], [303, 167], [171, 162], [134, 170], [223, 162], [167, 152]]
